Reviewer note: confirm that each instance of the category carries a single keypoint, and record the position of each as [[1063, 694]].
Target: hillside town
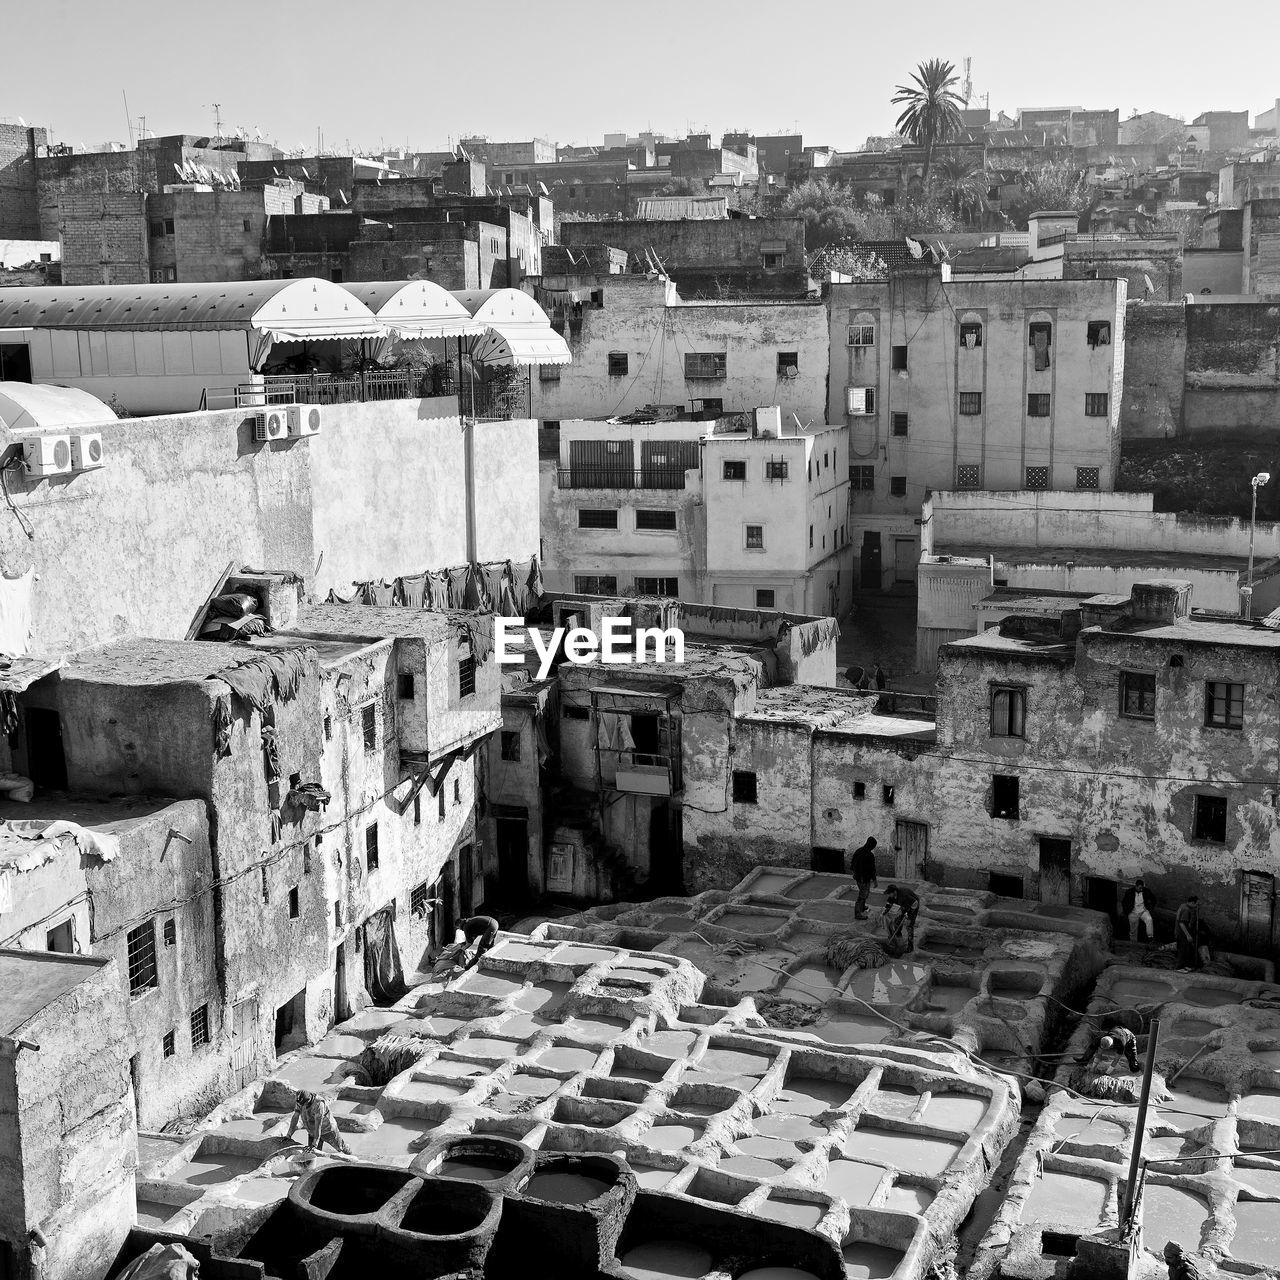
[[678, 706]]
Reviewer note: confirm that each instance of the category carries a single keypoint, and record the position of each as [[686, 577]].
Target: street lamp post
[[1255, 484]]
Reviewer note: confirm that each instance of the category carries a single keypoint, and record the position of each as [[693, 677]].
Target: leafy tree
[[830, 213], [848, 260], [1056, 185], [931, 108], [964, 185], [683, 187]]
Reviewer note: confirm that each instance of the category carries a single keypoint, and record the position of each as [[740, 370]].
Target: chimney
[[1165, 600]]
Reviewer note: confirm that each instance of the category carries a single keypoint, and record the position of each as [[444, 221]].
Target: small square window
[[898, 423], [1008, 711], [647, 586], [744, 786], [968, 476], [595, 584], [170, 931], [466, 676], [369, 725], [1211, 819], [619, 364], [862, 478], [371, 845], [1137, 695], [1037, 477], [1004, 797], [859, 790], [576, 713], [970, 403], [1223, 705], [510, 745], [294, 910], [755, 537], [735, 471], [404, 685], [419, 899], [200, 1027], [1099, 332], [788, 364], [764, 597], [775, 469], [970, 335], [169, 1045], [897, 486], [861, 335], [888, 795], [899, 358], [597, 518], [548, 373], [1096, 404], [1086, 477], [1038, 404], [248, 224]]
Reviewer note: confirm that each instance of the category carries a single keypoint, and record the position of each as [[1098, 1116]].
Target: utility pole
[[128, 119], [1140, 1128], [217, 119]]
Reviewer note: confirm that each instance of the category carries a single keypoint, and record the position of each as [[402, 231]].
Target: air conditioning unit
[[47, 455], [270, 424], [304, 419], [855, 400], [86, 452]]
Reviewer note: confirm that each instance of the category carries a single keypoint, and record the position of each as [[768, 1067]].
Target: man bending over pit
[[483, 931]]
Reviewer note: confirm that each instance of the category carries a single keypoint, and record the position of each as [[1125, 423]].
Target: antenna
[[127, 118], [966, 89], [217, 119]]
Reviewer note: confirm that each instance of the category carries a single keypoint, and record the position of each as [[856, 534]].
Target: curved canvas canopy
[[519, 331], [415, 309], [282, 310], [26, 406]]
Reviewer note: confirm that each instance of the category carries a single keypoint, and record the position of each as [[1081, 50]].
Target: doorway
[[135, 1079], [15, 362], [61, 938], [1257, 907], [666, 847], [826, 859], [1102, 895], [1055, 870], [341, 1002], [291, 1023], [513, 858], [46, 760], [905, 558], [466, 880], [870, 561], [910, 849]]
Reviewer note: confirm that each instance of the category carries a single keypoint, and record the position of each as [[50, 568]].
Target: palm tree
[[967, 184], [931, 108]]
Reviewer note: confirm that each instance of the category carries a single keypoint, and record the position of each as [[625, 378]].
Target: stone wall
[[1155, 370], [104, 238], [19, 207]]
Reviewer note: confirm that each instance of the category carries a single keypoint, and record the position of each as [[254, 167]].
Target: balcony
[[645, 775], [617, 478]]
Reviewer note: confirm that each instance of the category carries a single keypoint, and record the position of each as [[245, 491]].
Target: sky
[[425, 73]]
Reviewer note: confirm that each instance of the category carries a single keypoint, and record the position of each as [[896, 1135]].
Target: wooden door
[[1257, 906], [910, 849], [905, 557]]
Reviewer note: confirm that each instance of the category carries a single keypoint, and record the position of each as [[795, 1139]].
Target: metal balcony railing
[[620, 478]]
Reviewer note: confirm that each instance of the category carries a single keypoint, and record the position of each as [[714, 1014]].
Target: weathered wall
[[19, 207], [104, 238], [1261, 240], [1154, 370], [1208, 271], [1233, 366], [1136, 261]]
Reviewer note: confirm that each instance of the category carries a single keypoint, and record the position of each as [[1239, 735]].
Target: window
[[200, 1026], [595, 518], [417, 811], [140, 947], [510, 745], [658, 587], [968, 476], [1038, 403], [704, 365], [169, 931], [248, 224], [369, 725], [1096, 404], [888, 795], [371, 845], [859, 790], [970, 403], [335, 275], [595, 584], [897, 486], [618, 364], [735, 471], [744, 786], [859, 400], [548, 373], [419, 898], [811, 535], [899, 358], [457, 791], [155, 228], [328, 727], [656, 521], [577, 713], [168, 226], [168, 1046], [1008, 711], [971, 335], [61, 938], [337, 915], [1211, 819], [1086, 477], [1004, 886], [1037, 477], [1137, 695], [764, 597], [775, 469], [466, 676], [266, 884], [862, 477], [754, 536], [1004, 797], [404, 685], [440, 803], [788, 364], [771, 261], [1040, 339], [1223, 705], [1099, 333], [861, 335], [293, 903], [898, 423]]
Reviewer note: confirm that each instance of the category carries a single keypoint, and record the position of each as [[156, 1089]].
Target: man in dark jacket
[[908, 905], [483, 931], [862, 866], [1138, 905]]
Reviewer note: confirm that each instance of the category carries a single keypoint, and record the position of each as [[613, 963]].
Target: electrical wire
[[23, 523]]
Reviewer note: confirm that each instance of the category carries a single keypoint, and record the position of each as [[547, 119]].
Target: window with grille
[[970, 403], [419, 898], [1086, 477], [754, 534], [744, 786], [548, 373], [1210, 819], [618, 364], [656, 521], [371, 846], [1037, 477], [859, 400], [968, 476], [1038, 404], [596, 518], [705, 365], [1137, 695], [775, 469], [1008, 711], [862, 477], [510, 745], [595, 584], [658, 587], [861, 335], [971, 335], [735, 470], [266, 885], [170, 931], [466, 676], [898, 423], [788, 363], [897, 486], [169, 1045], [1223, 705], [1040, 339], [369, 725], [140, 947], [1096, 404], [764, 597], [200, 1026], [294, 906]]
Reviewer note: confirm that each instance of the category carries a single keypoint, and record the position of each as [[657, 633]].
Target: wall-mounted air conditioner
[[47, 455], [86, 452], [304, 419], [270, 424], [859, 400]]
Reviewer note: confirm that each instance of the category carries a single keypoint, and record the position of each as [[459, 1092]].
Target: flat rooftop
[[32, 980], [101, 816], [817, 706], [1105, 557], [378, 621]]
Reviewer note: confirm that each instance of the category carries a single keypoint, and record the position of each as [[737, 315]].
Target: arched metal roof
[[519, 331], [416, 309], [287, 310], [26, 406]]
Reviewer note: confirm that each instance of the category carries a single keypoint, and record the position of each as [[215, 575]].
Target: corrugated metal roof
[[416, 308], [671, 208]]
